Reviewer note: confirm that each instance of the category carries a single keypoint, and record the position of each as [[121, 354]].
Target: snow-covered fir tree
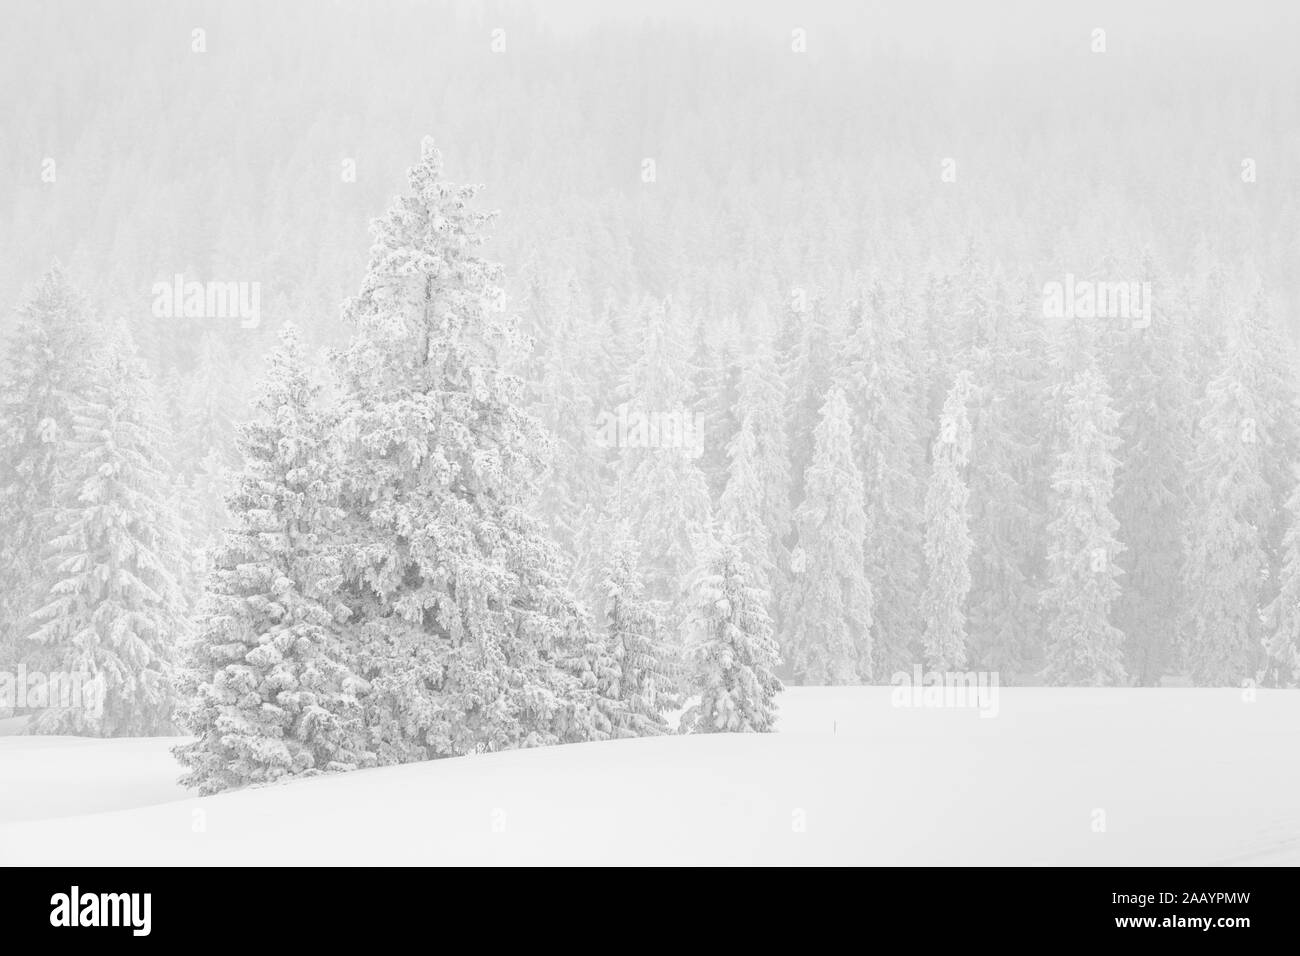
[[209, 407], [42, 380], [208, 487], [662, 493], [115, 612], [740, 507], [807, 359], [715, 388], [205, 449], [567, 375], [641, 678], [592, 709], [947, 535], [827, 635], [883, 397], [760, 408], [1008, 477], [1282, 641], [1226, 553], [731, 654], [1273, 380], [460, 615], [1083, 645], [1153, 399], [272, 692]]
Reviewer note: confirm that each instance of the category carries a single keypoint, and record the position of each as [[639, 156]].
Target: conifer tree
[[662, 492], [1008, 477], [272, 693], [807, 354], [591, 709], [1226, 554], [460, 614], [883, 397], [115, 611], [741, 505], [1273, 379], [42, 380], [206, 448], [568, 366], [947, 535], [1083, 646], [209, 407], [732, 654], [641, 677], [828, 614], [1154, 403], [582, 707], [715, 390], [760, 408], [1282, 642]]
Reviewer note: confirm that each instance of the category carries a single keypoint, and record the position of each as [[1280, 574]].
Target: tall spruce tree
[[210, 404], [884, 396], [827, 636], [43, 379], [1008, 477], [460, 613], [115, 612], [1274, 382], [642, 678], [732, 654], [807, 357], [1282, 641], [1083, 645], [715, 385], [1226, 549], [741, 506], [760, 407], [947, 535], [568, 367], [272, 693], [662, 492], [1154, 404]]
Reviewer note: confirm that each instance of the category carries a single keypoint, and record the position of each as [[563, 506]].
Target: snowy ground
[[1182, 776]]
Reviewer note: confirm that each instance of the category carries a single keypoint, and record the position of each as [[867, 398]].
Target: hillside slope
[[1182, 776]]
